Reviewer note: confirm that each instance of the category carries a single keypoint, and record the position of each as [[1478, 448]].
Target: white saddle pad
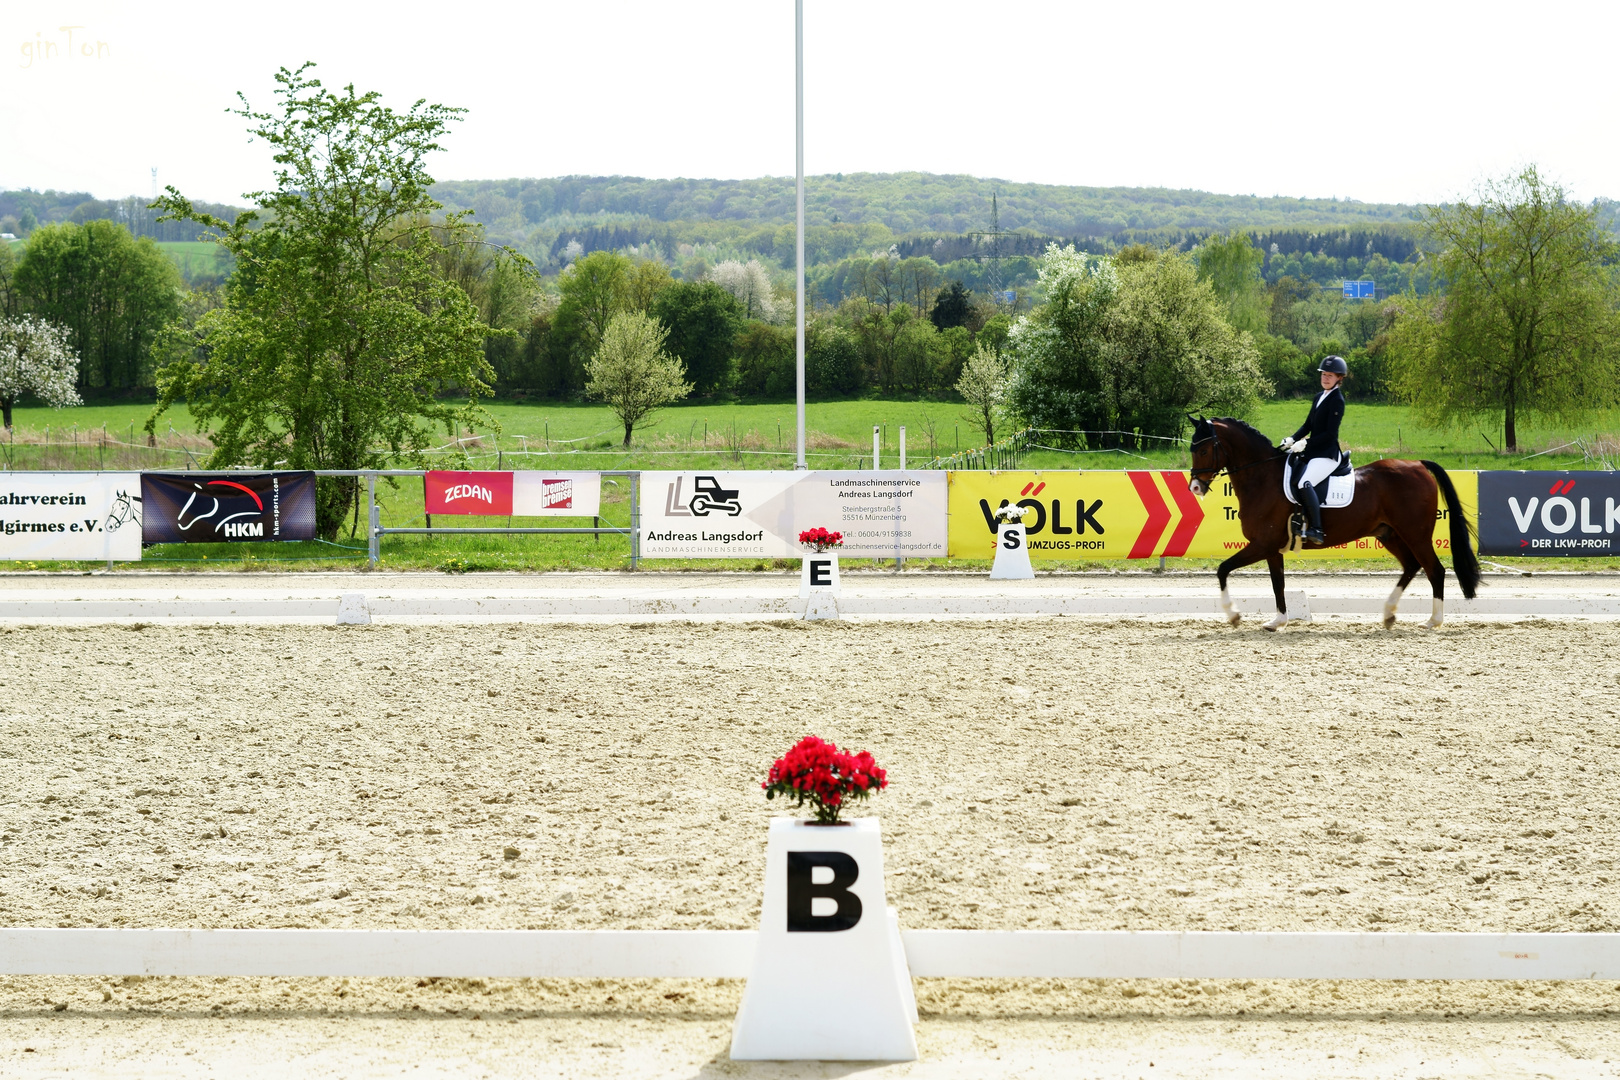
[[1341, 489]]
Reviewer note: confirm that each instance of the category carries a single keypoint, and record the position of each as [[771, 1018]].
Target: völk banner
[[185, 508], [1137, 514], [70, 516], [687, 515], [1549, 513]]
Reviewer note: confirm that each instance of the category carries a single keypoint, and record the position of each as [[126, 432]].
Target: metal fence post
[[635, 520], [372, 545]]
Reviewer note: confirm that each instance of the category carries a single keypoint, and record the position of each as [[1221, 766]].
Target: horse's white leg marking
[[1229, 608], [1279, 619], [1439, 615], [1391, 604]]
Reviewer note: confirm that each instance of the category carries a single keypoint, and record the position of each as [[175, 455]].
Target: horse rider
[[1316, 458]]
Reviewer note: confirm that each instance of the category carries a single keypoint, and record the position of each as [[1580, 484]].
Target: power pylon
[[993, 234]]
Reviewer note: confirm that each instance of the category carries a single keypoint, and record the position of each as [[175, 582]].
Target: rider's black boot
[[1313, 515]]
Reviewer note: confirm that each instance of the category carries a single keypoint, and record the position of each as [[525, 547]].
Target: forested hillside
[[904, 203]]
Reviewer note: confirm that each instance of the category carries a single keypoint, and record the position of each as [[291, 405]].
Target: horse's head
[[1206, 456]]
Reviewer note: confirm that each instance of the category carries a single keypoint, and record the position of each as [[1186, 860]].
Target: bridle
[[1223, 464]]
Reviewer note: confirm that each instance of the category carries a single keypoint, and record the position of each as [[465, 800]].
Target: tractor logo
[[707, 495]]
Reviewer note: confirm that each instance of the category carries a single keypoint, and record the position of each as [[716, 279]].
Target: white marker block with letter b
[[829, 980], [1012, 552]]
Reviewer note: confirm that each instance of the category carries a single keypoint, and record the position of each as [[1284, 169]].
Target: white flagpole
[[798, 26]]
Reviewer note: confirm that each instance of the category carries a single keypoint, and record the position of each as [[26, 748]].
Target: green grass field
[[690, 436], [195, 258], [761, 436]]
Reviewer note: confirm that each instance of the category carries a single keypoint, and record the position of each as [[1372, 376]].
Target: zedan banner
[[687, 515], [1548, 513], [70, 516], [185, 508], [1142, 514], [513, 494]]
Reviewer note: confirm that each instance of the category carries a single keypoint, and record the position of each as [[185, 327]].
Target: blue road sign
[[1360, 290]]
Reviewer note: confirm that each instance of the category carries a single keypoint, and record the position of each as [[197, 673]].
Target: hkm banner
[[184, 508]]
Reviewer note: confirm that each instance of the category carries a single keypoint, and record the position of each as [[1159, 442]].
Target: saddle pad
[[1341, 488]]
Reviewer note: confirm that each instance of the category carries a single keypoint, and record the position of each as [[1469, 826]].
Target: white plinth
[[819, 585], [1012, 553], [819, 573], [829, 980], [353, 611]]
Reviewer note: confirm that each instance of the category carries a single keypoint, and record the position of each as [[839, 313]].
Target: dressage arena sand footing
[[1054, 773]]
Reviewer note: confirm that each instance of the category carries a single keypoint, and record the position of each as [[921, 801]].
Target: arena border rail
[[1050, 954]]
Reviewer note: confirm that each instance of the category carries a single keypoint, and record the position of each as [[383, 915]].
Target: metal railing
[[376, 530]]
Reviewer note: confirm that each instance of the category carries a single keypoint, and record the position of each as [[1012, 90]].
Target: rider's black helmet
[[1335, 365]]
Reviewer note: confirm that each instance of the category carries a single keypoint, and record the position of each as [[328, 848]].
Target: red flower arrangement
[[821, 539], [819, 773]]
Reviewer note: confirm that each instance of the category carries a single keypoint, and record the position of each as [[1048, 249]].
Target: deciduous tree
[[703, 321], [983, 386], [1125, 349], [1232, 266], [750, 284], [111, 292], [1526, 327], [339, 330], [35, 358], [632, 373]]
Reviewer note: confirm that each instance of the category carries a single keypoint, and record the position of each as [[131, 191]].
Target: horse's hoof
[[1233, 618], [1389, 622], [1278, 621]]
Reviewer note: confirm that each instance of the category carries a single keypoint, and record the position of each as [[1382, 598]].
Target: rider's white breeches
[[1318, 470]]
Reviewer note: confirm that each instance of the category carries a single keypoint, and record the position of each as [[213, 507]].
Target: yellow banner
[[1127, 515]]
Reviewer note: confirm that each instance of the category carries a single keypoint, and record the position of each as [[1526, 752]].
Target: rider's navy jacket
[[1322, 425]]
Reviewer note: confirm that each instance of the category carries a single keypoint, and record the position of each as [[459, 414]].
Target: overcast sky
[[1405, 102]]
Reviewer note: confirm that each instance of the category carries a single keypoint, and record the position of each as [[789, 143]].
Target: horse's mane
[[1257, 439]]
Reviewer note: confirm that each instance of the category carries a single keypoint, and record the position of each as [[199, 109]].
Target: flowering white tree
[[750, 284], [983, 386], [35, 358]]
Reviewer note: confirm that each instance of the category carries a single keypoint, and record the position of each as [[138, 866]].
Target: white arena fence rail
[[1056, 954]]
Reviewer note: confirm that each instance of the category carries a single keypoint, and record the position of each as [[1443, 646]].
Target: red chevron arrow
[[1158, 515], [1192, 514]]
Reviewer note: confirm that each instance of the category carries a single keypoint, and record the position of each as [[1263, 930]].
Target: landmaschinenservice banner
[[691, 515], [70, 516]]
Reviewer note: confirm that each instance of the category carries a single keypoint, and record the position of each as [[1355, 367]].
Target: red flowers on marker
[[819, 773], [820, 539]]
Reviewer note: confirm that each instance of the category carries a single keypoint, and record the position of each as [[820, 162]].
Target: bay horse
[[1395, 501]]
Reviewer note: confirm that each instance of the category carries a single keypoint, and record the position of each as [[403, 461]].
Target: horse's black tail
[[1463, 560]]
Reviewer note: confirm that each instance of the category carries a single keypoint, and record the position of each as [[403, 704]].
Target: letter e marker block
[[819, 585], [829, 981], [1012, 553]]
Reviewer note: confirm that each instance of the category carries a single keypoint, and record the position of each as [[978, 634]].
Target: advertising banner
[[184, 508], [760, 514], [1124, 515], [70, 516], [1548, 513], [529, 493]]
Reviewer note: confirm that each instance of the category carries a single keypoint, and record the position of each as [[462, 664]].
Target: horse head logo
[[126, 509]]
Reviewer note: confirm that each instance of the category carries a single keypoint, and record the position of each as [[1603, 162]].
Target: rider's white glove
[[1287, 443]]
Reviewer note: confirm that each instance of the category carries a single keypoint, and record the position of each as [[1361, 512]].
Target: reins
[[1225, 466]]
